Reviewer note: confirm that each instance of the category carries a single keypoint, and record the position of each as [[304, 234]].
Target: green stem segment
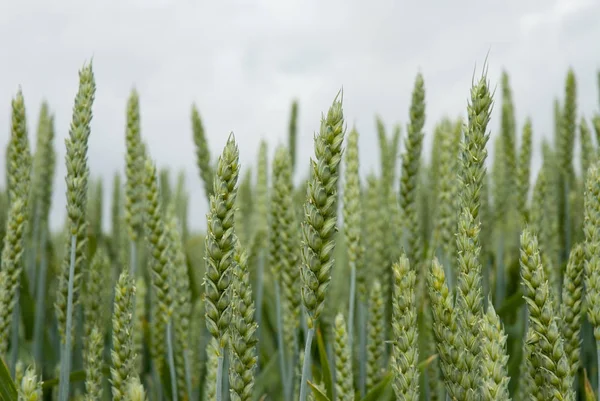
[[65, 356], [259, 293], [351, 302], [188, 372], [362, 352], [171, 356], [567, 245], [598, 368], [35, 234], [280, 345], [14, 350], [39, 302], [220, 375], [132, 258], [500, 274], [306, 365]]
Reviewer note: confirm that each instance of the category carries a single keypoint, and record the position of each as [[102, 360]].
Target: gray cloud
[[243, 62]]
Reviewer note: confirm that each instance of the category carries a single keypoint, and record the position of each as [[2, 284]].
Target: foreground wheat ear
[[551, 368], [220, 251], [592, 250], [18, 175], [160, 263], [320, 209], [243, 328], [319, 228], [75, 254], [404, 324], [134, 172]]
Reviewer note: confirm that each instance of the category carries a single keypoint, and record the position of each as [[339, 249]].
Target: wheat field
[[464, 278]]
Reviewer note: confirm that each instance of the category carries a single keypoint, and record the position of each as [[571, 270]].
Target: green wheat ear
[[19, 156], [160, 263], [592, 247], [344, 381], [134, 168], [202, 153], [261, 214], [220, 243], [285, 228], [77, 187], [352, 194], [320, 210], [18, 174], [404, 324], [469, 300], [123, 355], [376, 336], [494, 357], [93, 365], [523, 171], [571, 310], [444, 327], [182, 298], [243, 328], [10, 272], [550, 362], [92, 299], [411, 162], [292, 133], [352, 213]]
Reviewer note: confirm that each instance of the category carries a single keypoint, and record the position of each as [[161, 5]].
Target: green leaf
[[377, 392], [266, 378], [8, 390], [27, 306], [588, 390], [425, 363], [77, 376], [318, 393], [511, 304], [325, 368]]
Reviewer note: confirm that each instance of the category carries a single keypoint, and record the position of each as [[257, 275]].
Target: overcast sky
[[242, 62]]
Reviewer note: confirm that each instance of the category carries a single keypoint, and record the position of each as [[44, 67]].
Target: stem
[[282, 369], [362, 352], [220, 375], [14, 349], [331, 359], [352, 301], [157, 384], [259, 296], [65, 357], [33, 255], [567, 245], [226, 362], [598, 362], [38, 332], [171, 359], [132, 258], [306, 364], [188, 372], [426, 387], [500, 274], [291, 366]]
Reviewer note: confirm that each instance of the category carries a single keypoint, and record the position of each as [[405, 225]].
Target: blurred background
[[244, 62]]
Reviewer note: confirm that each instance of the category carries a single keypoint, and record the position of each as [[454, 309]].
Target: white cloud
[[554, 13]]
